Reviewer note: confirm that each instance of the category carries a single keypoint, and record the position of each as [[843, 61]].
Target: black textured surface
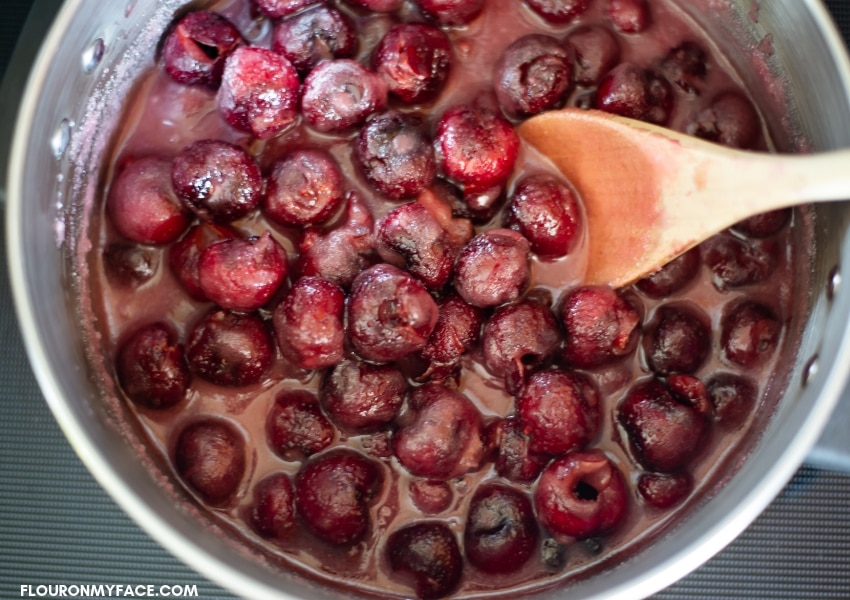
[[58, 527]]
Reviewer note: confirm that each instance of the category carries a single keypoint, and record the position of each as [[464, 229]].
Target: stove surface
[[57, 526]]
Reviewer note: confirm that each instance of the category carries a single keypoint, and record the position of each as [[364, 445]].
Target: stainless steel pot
[[73, 98]]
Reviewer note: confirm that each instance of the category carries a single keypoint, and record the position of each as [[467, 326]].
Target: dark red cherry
[[130, 265], [477, 147], [390, 314], [518, 340], [196, 48], [559, 411], [733, 398], [533, 75], [308, 323], [412, 233], [282, 8], [296, 425], [546, 212], [442, 436], [501, 531], [665, 429], [259, 92], [379, 6], [427, 556], [597, 51], [493, 268], [209, 456], [457, 332], [142, 204], [749, 333], [634, 92], [581, 495], [339, 253], [514, 459], [736, 262], [272, 513], [309, 37], [229, 348], [558, 12], [360, 397], [339, 94], [600, 326], [629, 16], [451, 12], [765, 224], [184, 255], [431, 496], [151, 367], [242, 274], [305, 187], [333, 493], [730, 119], [686, 66], [665, 490], [414, 60], [678, 340], [394, 152], [673, 276], [217, 180]]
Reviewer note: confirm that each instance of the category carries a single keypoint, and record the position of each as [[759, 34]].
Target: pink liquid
[[165, 116]]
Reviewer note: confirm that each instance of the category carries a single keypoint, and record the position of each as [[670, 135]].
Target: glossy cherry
[[339, 94], [581, 495], [259, 92], [341, 251], [272, 513], [209, 455], [361, 397], [217, 180], [501, 531], [457, 332], [390, 314], [546, 212], [311, 36], [533, 74], [394, 152], [427, 555], [442, 436], [559, 411], [749, 333], [142, 204], [296, 425], [242, 274], [637, 93], [518, 340], [477, 147], [600, 326], [151, 367], [197, 46], [493, 268], [678, 341], [451, 12], [229, 348], [305, 187], [308, 323], [414, 60], [333, 493], [558, 12], [665, 427]]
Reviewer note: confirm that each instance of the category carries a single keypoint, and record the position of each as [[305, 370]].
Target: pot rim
[[776, 468]]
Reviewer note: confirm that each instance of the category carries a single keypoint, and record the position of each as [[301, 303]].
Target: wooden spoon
[[651, 193]]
